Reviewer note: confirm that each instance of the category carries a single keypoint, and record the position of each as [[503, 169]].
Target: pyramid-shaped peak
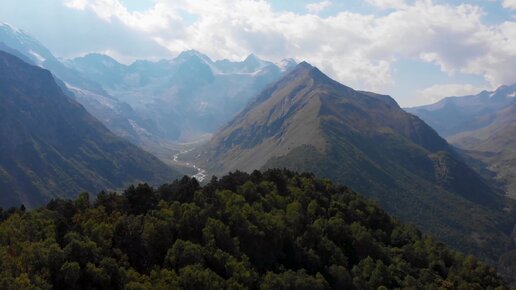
[[253, 62], [100, 56], [301, 68], [305, 65], [306, 72], [192, 54], [310, 71], [98, 59], [252, 58]]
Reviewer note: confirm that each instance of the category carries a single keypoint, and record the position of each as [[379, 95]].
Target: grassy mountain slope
[[52, 147]]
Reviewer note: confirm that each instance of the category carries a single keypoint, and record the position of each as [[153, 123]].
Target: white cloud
[[159, 17], [509, 4], [438, 92], [357, 49], [386, 4], [76, 4], [317, 7]]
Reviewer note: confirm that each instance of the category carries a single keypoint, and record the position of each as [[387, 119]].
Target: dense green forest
[[270, 230]]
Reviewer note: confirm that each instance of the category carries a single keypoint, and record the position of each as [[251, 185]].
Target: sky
[[417, 51]]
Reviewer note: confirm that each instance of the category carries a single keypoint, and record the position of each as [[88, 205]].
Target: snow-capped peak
[[191, 54], [188, 54]]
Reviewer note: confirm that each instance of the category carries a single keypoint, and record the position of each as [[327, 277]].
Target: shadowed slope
[[52, 147]]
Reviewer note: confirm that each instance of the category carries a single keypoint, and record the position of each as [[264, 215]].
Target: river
[[201, 173]]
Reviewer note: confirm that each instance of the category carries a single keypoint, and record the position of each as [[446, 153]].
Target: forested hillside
[[270, 230]]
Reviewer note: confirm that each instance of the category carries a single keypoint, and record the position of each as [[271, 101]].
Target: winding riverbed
[[201, 173]]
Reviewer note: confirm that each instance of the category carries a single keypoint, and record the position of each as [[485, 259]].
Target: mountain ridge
[[457, 114]]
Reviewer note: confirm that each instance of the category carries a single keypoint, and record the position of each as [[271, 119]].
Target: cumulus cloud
[[317, 7], [437, 92], [385, 4], [159, 17], [76, 4], [510, 4], [357, 49]]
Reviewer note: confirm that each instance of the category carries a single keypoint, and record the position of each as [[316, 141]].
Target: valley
[[200, 174], [482, 125]]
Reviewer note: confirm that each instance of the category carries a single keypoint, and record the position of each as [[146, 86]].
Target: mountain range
[[52, 147], [185, 97], [153, 103], [309, 122], [484, 126]]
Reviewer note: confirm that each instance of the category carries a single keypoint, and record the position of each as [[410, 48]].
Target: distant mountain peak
[[98, 55], [102, 58], [302, 68], [308, 71], [252, 57], [253, 63], [191, 54], [502, 93], [305, 65]]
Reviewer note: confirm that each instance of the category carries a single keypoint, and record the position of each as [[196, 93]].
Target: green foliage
[[270, 230]]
